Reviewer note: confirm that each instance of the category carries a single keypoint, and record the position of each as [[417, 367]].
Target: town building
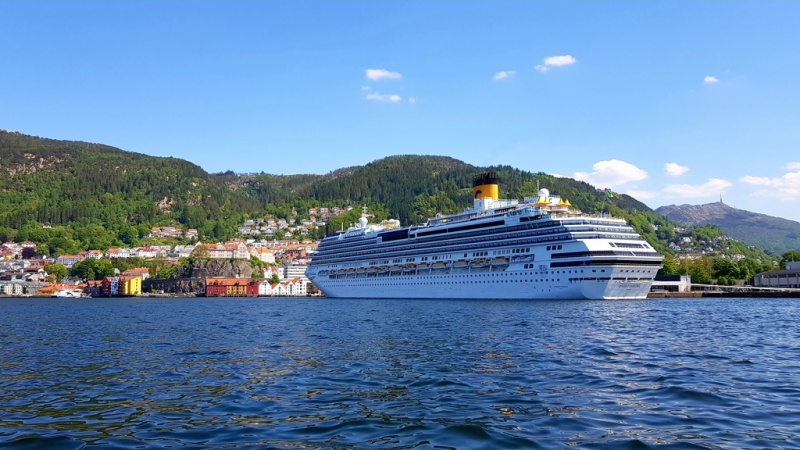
[[142, 272], [290, 288], [264, 255], [230, 250], [231, 287], [672, 283], [788, 278], [68, 260], [293, 271]]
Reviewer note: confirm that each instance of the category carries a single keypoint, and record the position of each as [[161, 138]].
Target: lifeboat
[[500, 261], [439, 265], [478, 263], [422, 266], [460, 264]]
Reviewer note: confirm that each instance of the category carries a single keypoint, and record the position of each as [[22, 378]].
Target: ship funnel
[[484, 186]]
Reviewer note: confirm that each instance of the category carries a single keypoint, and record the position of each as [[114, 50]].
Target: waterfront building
[[130, 286], [672, 283], [231, 287], [11, 288], [290, 288], [109, 287], [788, 278], [93, 288]]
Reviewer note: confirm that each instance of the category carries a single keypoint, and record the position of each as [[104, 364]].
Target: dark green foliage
[[62, 182], [791, 256], [57, 270], [92, 269]]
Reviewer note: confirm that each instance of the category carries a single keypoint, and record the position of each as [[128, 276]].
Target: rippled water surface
[[339, 374]]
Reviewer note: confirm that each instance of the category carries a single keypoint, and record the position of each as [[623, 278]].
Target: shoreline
[[651, 295], [700, 294]]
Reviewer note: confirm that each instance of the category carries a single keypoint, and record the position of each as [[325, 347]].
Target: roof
[[229, 281]]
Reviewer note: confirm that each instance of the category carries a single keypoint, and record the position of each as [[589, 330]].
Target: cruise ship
[[537, 248]]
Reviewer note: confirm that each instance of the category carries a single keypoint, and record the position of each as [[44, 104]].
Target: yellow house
[[130, 286]]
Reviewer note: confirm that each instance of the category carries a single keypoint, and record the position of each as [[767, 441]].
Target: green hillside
[[61, 182], [53, 182], [96, 196]]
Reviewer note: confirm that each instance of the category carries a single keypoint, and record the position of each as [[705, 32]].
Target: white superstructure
[[539, 248]]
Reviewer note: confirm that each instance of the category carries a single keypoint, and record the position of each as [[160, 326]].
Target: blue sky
[[672, 102]]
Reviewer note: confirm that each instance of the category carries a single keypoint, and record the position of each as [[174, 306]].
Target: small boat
[[68, 293]]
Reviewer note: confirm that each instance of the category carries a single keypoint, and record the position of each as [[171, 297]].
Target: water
[[341, 374]]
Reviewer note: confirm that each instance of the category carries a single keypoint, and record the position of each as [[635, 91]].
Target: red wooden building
[[231, 287]]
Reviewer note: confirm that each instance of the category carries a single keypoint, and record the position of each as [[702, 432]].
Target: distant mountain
[[770, 233]]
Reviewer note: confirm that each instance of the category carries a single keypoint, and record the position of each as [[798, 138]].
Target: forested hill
[[59, 182], [416, 187], [55, 182]]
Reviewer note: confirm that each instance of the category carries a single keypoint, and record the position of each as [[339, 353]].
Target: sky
[[672, 102]]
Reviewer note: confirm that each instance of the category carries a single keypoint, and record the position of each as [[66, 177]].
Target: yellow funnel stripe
[[486, 191]]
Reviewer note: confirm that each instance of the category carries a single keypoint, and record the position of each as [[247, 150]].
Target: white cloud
[[365, 88], [412, 100], [786, 187], [382, 74], [376, 97], [503, 75], [710, 80], [756, 181], [555, 61], [714, 187], [675, 169], [611, 173]]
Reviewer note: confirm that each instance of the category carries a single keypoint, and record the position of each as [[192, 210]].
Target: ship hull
[[511, 285]]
